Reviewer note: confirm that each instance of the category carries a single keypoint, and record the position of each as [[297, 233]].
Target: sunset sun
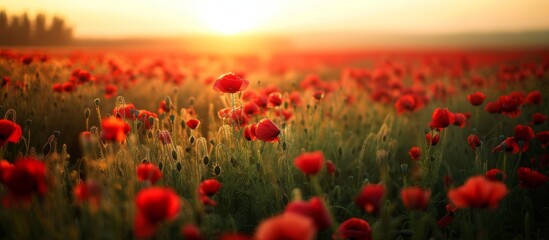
[[231, 17]]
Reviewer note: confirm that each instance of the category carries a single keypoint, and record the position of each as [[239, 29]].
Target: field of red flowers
[[363, 145]]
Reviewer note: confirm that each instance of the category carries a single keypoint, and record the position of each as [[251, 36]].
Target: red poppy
[[25, 178], [5, 81], [415, 198], [415, 153], [476, 99], [163, 107], [68, 87], [493, 107], [524, 133], [288, 226], [230, 83], [209, 187], [309, 163], [441, 118], [529, 178], [26, 60], [147, 118], [295, 98], [266, 130], [249, 133], [448, 218], [432, 138], [313, 209], [285, 114], [9, 132], [154, 205], [148, 172], [57, 87], [496, 175], [543, 138], [509, 145], [538, 118], [510, 105], [128, 111], [478, 192], [318, 95], [164, 137], [88, 191], [405, 103], [234, 236], [191, 232], [250, 108], [354, 228], [192, 123], [369, 198], [330, 167], [207, 201], [231, 117], [5, 166], [110, 91], [473, 141], [460, 120], [275, 99], [533, 98], [114, 129]]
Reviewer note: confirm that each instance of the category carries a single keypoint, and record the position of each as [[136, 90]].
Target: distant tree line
[[22, 31]]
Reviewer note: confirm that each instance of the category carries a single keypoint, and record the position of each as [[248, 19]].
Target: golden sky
[[123, 18]]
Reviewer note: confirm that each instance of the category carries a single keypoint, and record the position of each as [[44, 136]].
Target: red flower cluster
[[207, 189], [478, 192]]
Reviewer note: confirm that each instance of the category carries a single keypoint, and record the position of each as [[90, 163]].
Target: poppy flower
[[164, 137], [209, 187], [295, 99], [460, 120], [473, 141], [163, 107], [415, 198], [405, 103], [510, 105], [330, 167], [478, 192], [5, 81], [191, 232], [313, 209], [128, 111], [448, 218], [57, 87], [5, 166], [285, 114], [496, 175], [25, 178], [207, 201], [369, 198], [354, 228], [275, 99], [415, 153], [154, 206], [493, 107], [249, 133], [543, 138], [441, 118], [230, 83], [87, 191], [509, 145], [192, 123], [524, 133], [147, 118], [476, 99], [289, 226], [309, 163], [250, 108], [538, 118], [148, 172], [68, 87], [114, 129], [9, 132], [233, 117], [529, 178], [110, 91], [432, 138], [266, 130], [533, 98], [318, 95]]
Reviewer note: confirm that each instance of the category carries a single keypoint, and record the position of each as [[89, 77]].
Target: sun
[[231, 17]]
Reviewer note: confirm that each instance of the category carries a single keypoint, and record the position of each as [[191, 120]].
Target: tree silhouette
[[21, 31]]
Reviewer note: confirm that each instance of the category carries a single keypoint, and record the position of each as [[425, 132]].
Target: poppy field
[[388, 144]]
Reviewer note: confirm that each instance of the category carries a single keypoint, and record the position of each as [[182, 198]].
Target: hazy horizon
[[146, 18]]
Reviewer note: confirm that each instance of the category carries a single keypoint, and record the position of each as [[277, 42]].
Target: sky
[[165, 18]]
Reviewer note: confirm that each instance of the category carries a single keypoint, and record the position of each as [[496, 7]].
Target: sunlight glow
[[231, 17]]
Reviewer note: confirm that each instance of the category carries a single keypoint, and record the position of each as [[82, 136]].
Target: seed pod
[[191, 140], [178, 166], [174, 154], [284, 146], [160, 166], [87, 112], [46, 149], [97, 101], [172, 118], [28, 122], [217, 170], [206, 160]]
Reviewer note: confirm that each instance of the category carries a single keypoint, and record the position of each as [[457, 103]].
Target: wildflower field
[[402, 144]]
